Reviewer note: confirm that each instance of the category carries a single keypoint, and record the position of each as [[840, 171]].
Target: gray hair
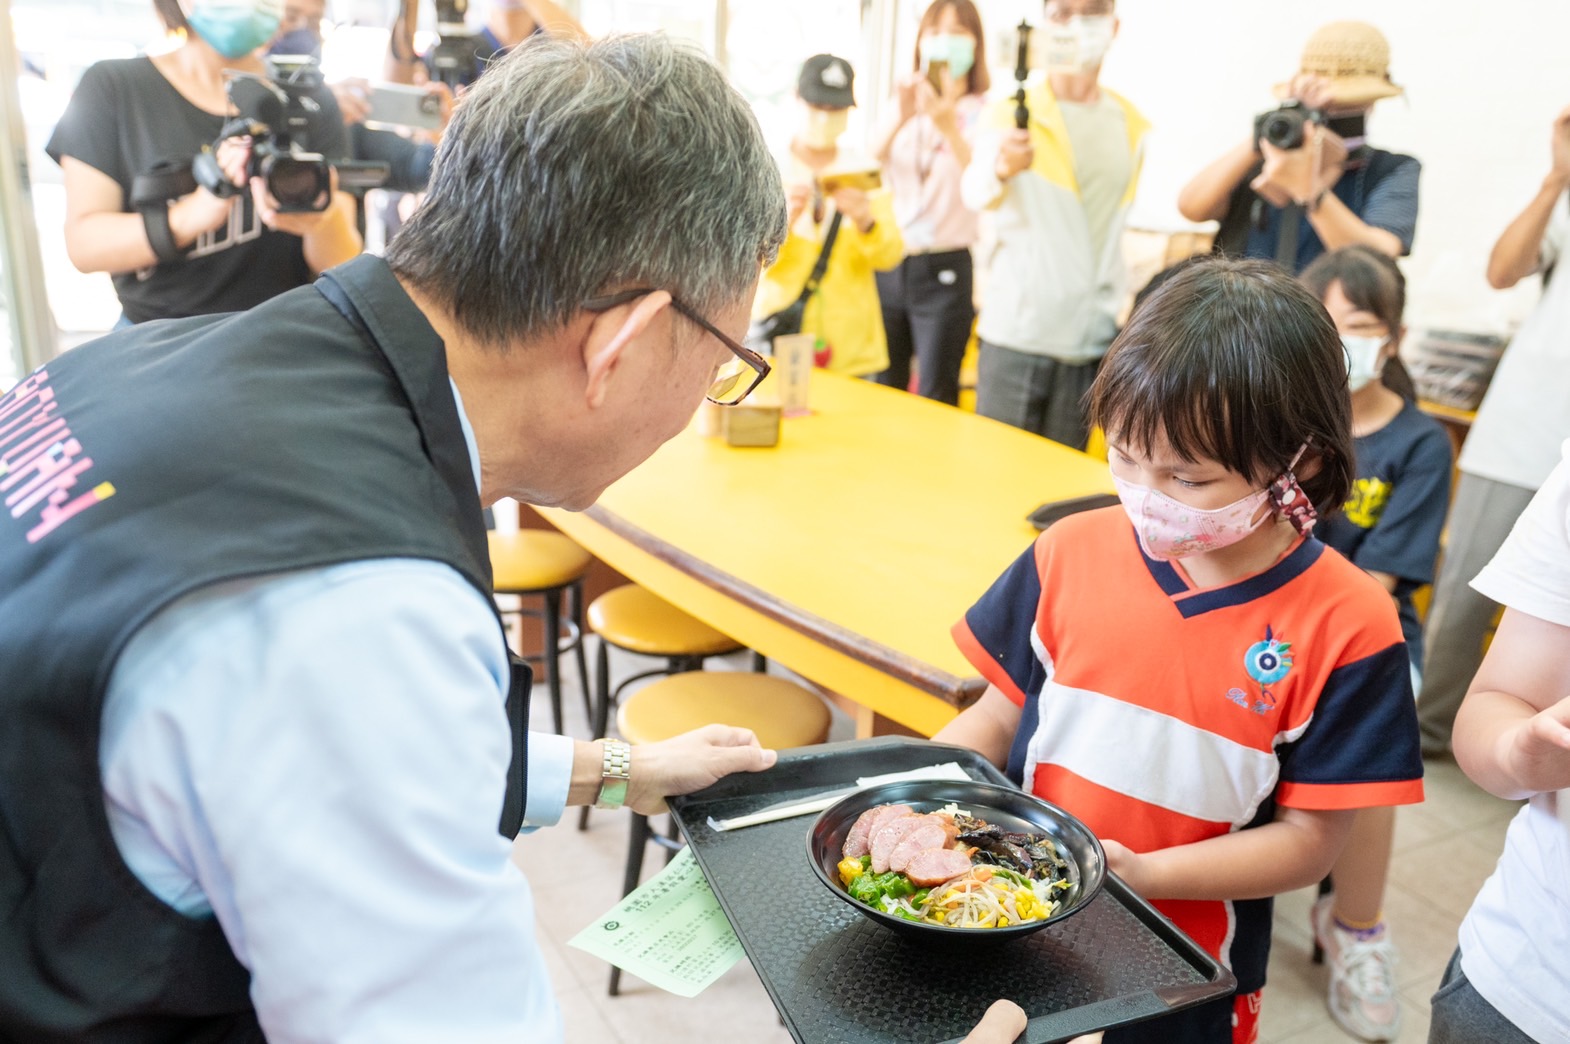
[[571, 170]]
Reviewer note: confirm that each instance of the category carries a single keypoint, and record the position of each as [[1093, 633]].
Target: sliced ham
[[930, 834], [887, 837], [857, 842], [932, 866]]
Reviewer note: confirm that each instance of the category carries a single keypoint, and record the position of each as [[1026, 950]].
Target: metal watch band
[[614, 773]]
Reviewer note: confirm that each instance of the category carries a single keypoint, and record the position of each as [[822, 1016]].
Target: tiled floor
[[1444, 850]]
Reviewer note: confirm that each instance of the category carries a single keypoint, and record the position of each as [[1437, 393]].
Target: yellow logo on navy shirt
[[1367, 502]]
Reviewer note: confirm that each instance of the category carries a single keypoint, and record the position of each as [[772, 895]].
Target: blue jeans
[[1461, 1015]]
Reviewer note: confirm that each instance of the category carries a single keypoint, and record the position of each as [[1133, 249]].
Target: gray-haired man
[[259, 715]]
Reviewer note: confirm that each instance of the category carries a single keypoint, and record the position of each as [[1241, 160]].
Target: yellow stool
[[781, 713], [543, 563], [637, 621]]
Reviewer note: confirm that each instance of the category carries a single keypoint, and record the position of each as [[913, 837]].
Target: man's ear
[[608, 337]]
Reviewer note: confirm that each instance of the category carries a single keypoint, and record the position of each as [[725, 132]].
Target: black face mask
[[1354, 125], [298, 41]]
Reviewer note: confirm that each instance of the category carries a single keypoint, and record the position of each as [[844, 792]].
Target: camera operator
[[1319, 173], [507, 24], [202, 253]]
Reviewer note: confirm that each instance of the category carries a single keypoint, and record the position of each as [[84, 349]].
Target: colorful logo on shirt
[[1367, 501], [1267, 662]]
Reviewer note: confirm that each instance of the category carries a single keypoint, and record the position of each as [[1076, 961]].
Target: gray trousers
[[1461, 1015], [1035, 392], [1481, 516]]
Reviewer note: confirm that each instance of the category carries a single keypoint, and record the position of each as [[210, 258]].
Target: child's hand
[[1537, 753], [1126, 863]]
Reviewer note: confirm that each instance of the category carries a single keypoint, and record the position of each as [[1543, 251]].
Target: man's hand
[[1559, 146], [354, 98], [1015, 153], [690, 762], [1299, 175], [853, 204], [1537, 752], [1002, 1024]]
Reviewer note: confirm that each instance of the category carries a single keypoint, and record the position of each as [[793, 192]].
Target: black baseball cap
[[827, 81]]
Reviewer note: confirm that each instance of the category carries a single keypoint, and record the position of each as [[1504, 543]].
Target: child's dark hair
[[1373, 283], [1233, 361]]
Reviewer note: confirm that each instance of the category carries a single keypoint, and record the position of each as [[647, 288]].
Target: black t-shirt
[[124, 119], [1392, 520]]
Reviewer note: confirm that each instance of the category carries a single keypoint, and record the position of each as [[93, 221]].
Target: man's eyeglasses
[[723, 390]]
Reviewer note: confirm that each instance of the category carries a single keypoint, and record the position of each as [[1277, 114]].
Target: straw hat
[[1354, 57]]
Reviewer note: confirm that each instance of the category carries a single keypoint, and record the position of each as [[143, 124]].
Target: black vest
[[317, 428]]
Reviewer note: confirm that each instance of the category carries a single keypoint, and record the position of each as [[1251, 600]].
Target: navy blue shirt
[[1392, 520]]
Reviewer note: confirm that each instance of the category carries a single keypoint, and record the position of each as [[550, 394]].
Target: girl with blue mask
[[1390, 526], [172, 248], [924, 148]]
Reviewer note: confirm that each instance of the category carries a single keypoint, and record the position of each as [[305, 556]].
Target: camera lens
[[1283, 128], [297, 183]]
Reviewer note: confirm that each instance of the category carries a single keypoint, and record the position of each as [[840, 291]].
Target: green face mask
[[958, 51]]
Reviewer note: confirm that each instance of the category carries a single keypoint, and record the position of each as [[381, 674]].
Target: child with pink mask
[[1193, 674]]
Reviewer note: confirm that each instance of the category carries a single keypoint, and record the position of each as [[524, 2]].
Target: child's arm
[[1512, 735], [987, 726], [1295, 851]]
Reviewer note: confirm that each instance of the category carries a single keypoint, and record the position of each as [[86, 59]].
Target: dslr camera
[[1285, 126], [276, 111]]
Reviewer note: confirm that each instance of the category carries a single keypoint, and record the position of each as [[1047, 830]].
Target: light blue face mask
[[235, 28], [958, 51]]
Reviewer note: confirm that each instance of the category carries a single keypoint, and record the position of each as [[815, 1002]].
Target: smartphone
[[865, 180], [1054, 510], [404, 105], [935, 70]]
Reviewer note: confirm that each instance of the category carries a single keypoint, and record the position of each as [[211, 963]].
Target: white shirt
[[318, 759], [1526, 413], [1515, 940]]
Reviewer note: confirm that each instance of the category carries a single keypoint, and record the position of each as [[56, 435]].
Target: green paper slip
[[669, 932]]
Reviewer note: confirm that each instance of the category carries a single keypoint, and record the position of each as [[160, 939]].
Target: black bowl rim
[[1087, 892]]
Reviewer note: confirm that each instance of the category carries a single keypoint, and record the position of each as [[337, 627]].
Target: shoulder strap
[[822, 264]]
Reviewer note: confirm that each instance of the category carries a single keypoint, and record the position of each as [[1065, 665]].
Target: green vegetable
[[865, 889], [895, 885]]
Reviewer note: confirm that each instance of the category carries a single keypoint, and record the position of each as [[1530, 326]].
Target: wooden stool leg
[[550, 649], [636, 842]]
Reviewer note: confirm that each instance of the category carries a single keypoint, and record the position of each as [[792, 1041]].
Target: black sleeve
[[409, 164], [89, 129]]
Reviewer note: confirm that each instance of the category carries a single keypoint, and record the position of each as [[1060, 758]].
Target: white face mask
[[823, 127], [1079, 44], [1363, 361]]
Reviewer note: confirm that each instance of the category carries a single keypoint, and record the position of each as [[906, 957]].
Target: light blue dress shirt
[[318, 759]]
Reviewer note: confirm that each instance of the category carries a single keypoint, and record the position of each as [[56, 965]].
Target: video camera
[[276, 112], [1286, 126], [455, 60]]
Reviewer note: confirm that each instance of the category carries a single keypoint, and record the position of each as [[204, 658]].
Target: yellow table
[[846, 552]]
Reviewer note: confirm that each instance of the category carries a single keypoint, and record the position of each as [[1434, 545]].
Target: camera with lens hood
[[276, 112]]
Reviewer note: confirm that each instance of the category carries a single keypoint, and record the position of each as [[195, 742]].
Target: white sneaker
[[1362, 996]]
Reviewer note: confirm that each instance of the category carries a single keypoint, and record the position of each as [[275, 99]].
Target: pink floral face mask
[[1169, 529]]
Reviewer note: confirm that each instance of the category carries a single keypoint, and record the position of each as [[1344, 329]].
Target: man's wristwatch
[[614, 773]]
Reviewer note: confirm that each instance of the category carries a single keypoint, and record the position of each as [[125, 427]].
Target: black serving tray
[[838, 978]]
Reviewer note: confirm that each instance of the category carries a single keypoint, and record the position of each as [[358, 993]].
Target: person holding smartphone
[[924, 147]]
